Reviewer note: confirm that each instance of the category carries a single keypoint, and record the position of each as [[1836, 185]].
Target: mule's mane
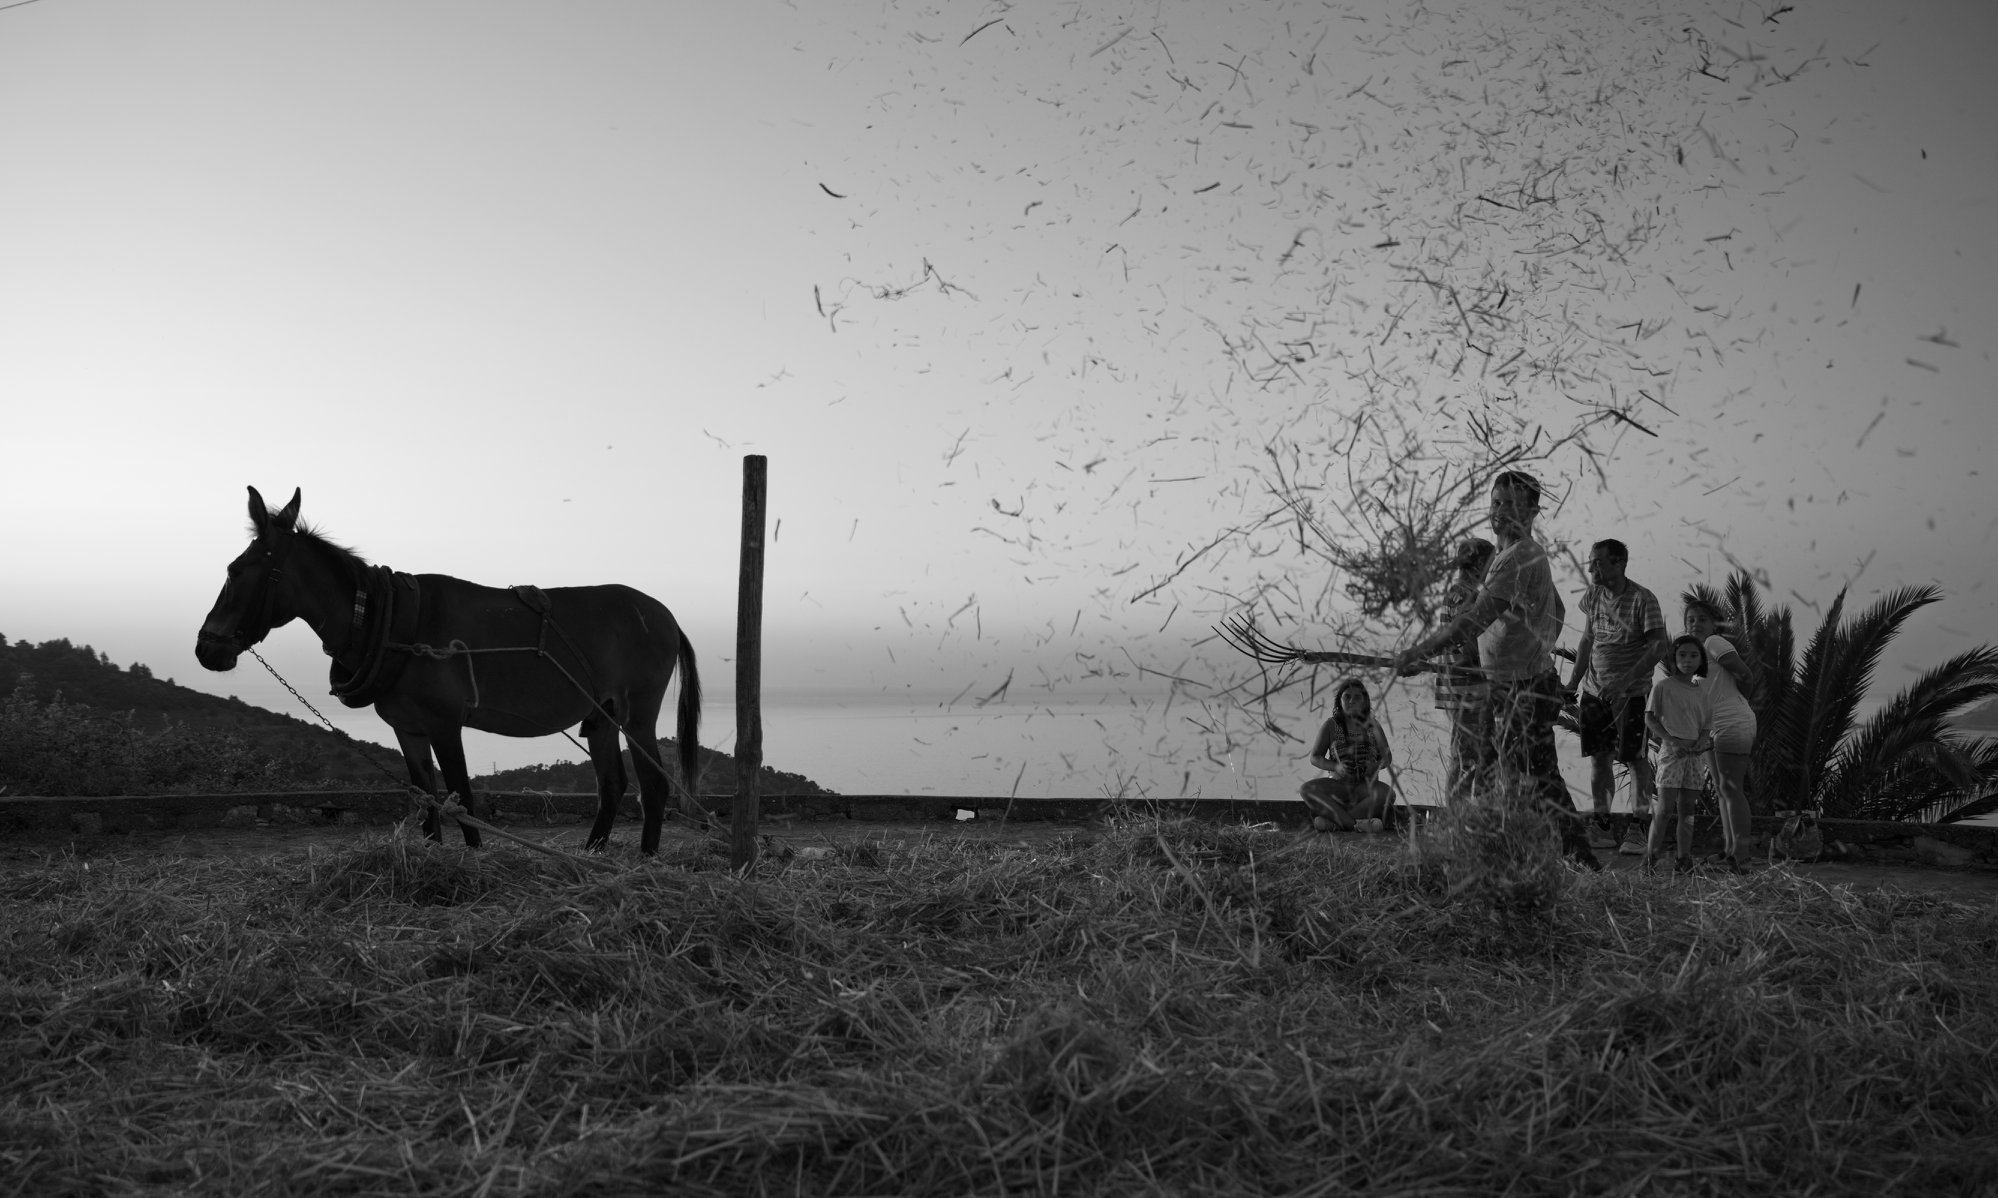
[[353, 563]]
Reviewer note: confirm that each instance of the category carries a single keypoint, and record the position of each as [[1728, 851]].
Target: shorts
[[1736, 739], [1608, 726], [1685, 771]]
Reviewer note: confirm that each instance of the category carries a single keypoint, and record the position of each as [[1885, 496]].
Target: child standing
[[1351, 749], [1461, 690], [1680, 715]]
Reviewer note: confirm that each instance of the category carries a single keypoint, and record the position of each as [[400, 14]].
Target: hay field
[[1170, 1007]]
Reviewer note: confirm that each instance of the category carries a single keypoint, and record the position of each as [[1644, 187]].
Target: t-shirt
[[1619, 628], [1682, 709], [1733, 717], [1519, 644]]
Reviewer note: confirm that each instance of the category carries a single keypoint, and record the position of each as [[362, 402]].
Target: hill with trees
[[74, 722], [717, 775]]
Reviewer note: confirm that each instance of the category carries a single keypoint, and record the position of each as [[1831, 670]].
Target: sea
[[1116, 744]]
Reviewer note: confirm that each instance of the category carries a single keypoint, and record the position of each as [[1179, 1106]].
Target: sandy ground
[[1977, 885]]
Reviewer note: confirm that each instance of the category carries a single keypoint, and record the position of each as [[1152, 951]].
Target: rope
[[448, 652], [450, 807], [457, 647], [456, 811]]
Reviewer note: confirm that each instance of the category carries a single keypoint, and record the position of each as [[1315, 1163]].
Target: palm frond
[[1941, 802], [1744, 601], [1700, 592], [1914, 722], [1906, 760], [1778, 649], [1865, 637], [1892, 766], [1767, 644], [1796, 733], [1852, 654], [1984, 758]]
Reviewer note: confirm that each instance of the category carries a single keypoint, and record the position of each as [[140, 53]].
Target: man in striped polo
[[1623, 640]]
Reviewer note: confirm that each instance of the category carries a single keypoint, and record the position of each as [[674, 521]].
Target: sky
[[1037, 311]]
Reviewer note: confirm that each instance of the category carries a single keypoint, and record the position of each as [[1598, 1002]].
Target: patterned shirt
[[1618, 628], [1519, 644]]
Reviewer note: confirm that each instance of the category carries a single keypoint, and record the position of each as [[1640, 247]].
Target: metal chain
[[402, 783]]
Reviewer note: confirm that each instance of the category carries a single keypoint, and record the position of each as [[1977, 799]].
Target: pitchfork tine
[[1241, 633]]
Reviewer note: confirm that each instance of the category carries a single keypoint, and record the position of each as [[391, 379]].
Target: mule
[[435, 655]]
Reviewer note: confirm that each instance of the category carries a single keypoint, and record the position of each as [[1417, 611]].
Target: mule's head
[[252, 601]]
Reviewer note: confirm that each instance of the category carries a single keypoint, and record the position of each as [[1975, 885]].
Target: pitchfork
[[1243, 636]]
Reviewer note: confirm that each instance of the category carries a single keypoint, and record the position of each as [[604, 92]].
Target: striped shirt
[[1457, 690], [1618, 627]]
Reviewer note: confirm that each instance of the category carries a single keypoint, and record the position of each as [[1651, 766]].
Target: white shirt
[[1733, 717]]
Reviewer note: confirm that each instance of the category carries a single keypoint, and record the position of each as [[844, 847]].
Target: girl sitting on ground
[[1680, 715], [1351, 749]]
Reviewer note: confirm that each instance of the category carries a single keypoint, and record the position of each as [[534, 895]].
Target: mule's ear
[[288, 515], [260, 517]]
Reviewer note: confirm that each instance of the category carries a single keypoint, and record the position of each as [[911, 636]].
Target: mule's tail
[[689, 733]]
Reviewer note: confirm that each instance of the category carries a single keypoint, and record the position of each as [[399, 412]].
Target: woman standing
[[1728, 681]]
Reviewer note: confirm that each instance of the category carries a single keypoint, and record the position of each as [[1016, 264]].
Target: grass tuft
[[1500, 858]]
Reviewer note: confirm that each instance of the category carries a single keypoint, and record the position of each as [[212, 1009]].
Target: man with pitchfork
[[1516, 618]]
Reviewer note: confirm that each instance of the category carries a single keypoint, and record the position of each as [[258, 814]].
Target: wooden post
[[745, 811]]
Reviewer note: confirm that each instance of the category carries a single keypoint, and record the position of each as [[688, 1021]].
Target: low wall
[[145, 813], [1939, 844]]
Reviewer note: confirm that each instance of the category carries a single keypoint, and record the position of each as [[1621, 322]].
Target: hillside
[[84, 677], [312, 755], [1981, 720], [717, 776]]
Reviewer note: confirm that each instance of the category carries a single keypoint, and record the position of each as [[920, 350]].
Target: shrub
[[63, 748]]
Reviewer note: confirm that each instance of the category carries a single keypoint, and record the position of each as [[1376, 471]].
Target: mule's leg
[[602, 737], [641, 733], [422, 775], [457, 778]]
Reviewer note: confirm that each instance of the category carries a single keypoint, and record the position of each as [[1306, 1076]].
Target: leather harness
[[387, 608]]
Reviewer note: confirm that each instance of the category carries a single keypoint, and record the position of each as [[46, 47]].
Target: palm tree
[[1905, 761]]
